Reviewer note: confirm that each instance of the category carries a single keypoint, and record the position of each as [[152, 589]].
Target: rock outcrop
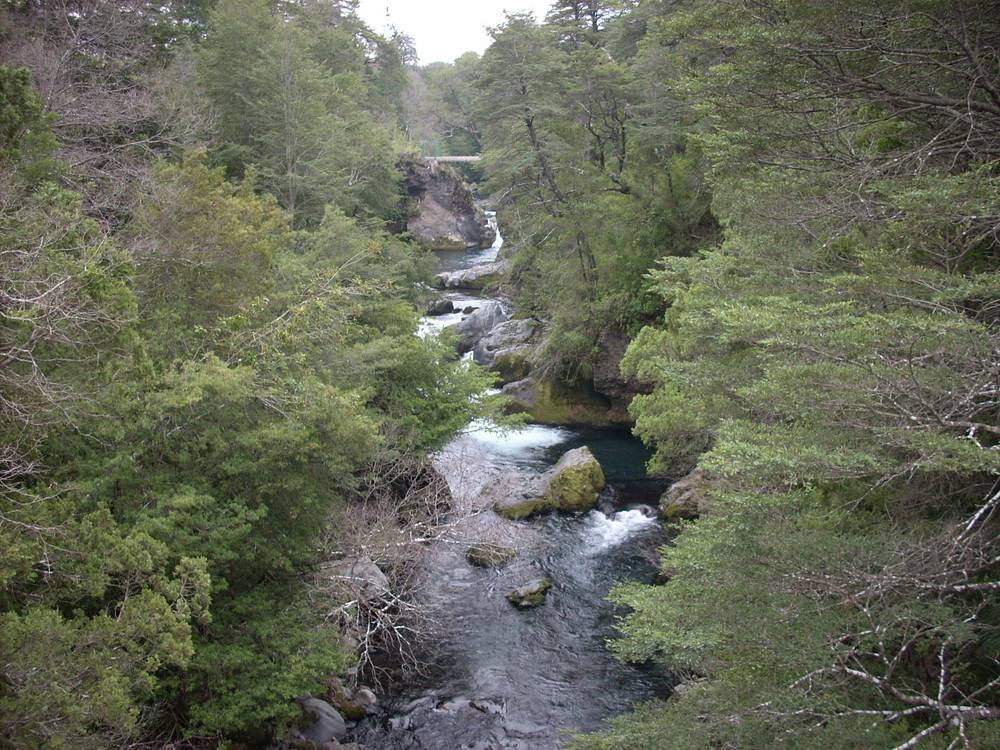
[[551, 402], [442, 213], [608, 379], [480, 322], [685, 498], [476, 278], [508, 348]]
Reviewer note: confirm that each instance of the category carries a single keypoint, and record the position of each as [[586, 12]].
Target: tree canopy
[[211, 386], [208, 357]]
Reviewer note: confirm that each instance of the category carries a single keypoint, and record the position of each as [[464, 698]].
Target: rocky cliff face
[[441, 211]]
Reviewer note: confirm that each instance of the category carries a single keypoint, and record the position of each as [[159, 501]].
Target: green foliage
[[267, 646], [600, 180], [105, 621], [192, 388], [439, 106], [205, 247], [830, 367], [24, 130], [306, 105]]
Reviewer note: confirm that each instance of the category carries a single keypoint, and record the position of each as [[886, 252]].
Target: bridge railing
[[451, 158]]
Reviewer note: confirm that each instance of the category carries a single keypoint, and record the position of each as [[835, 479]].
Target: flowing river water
[[500, 677]]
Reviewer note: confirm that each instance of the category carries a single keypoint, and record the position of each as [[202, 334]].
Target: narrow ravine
[[499, 677]]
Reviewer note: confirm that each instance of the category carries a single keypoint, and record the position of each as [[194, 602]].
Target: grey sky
[[444, 29]]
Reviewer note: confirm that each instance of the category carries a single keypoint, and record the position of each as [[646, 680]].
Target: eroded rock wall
[[441, 210]]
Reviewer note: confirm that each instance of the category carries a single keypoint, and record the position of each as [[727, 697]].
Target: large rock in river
[[507, 349], [577, 481], [573, 485], [475, 278], [481, 321], [553, 402]]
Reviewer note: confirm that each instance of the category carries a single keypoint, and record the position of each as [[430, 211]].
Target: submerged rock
[[489, 554], [531, 594]]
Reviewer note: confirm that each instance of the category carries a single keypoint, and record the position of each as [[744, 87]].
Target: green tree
[[440, 105], [306, 103], [833, 358], [205, 248], [595, 199], [92, 613]]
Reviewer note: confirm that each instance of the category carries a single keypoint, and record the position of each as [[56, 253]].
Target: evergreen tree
[[834, 356]]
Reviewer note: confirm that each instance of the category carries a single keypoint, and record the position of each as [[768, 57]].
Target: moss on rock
[[576, 483], [573, 485], [489, 554], [531, 594], [555, 403], [518, 510]]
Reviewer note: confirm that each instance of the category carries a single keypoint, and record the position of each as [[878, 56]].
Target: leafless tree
[[120, 93]]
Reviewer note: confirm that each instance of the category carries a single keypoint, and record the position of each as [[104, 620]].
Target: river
[[500, 677]]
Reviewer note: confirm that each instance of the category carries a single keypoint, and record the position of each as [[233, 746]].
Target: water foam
[[609, 531]]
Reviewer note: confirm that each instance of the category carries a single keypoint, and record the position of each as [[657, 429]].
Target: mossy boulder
[[577, 481], [573, 485], [531, 594], [685, 498], [514, 495], [489, 554], [511, 366], [549, 402], [509, 348]]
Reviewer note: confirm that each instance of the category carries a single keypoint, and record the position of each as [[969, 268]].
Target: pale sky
[[445, 29]]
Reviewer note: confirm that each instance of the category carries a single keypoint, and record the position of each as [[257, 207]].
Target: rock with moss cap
[[549, 402], [685, 498], [489, 554], [576, 482], [573, 485], [531, 594]]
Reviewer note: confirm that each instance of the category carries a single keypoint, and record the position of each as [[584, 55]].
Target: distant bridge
[[451, 158]]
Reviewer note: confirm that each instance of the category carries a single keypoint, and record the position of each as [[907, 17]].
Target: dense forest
[[211, 389]]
